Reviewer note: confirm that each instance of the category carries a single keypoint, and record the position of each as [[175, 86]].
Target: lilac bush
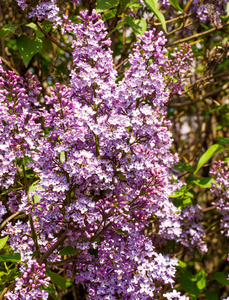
[[99, 153]]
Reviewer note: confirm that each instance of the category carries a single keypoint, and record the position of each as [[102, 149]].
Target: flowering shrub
[[87, 172]]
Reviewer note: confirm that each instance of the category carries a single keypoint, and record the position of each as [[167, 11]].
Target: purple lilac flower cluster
[[101, 152], [221, 190], [28, 286], [207, 10], [43, 10]]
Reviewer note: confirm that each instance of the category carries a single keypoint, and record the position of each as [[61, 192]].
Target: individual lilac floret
[[28, 286]]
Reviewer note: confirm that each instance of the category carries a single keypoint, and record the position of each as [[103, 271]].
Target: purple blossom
[[103, 165]]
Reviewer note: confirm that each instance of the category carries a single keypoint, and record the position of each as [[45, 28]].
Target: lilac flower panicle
[[27, 286], [103, 166], [221, 190]]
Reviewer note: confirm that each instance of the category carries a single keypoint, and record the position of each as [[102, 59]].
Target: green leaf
[[182, 264], [152, 4], [201, 280], [7, 30], [192, 284], [184, 167], [34, 26], [227, 8], [175, 4], [57, 279], [135, 6], [68, 250], [46, 25], [28, 47], [184, 190], [3, 241], [220, 278], [182, 202], [51, 291], [116, 27], [15, 257], [212, 150], [2, 274], [109, 14], [210, 295], [139, 26], [103, 5], [203, 182], [220, 107], [223, 141], [36, 187]]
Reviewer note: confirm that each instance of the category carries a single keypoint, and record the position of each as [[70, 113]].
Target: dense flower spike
[[28, 286], [100, 154], [221, 190]]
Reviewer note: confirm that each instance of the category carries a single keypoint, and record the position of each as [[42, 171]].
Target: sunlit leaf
[[28, 47]]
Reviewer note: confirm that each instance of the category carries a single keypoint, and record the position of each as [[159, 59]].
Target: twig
[[48, 36], [119, 65], [9, 65], [172, 20], [8, 220], [181, 27], [198, 35], [208, 208], [53, 247], [204, 96]]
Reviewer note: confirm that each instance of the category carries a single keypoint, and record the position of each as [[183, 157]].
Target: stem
[[80, 250], [204, 96], [53, 247], [9, 219], [66, 49], [96, 145], [34, 236], [3, 293], [198, 35]]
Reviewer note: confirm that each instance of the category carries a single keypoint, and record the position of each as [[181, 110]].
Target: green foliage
[[28, 47], [203, 182], [15, 257], [68, 250], [57, 279], [139, 26], [182, 167], [220, 278], [211, 295], [183, 197], [223, 140], [7, 30], [51, 291], [103, 5], [175, 4], [3, 241], [8, 263], [152, 4], [212, 150], [194, 285]]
